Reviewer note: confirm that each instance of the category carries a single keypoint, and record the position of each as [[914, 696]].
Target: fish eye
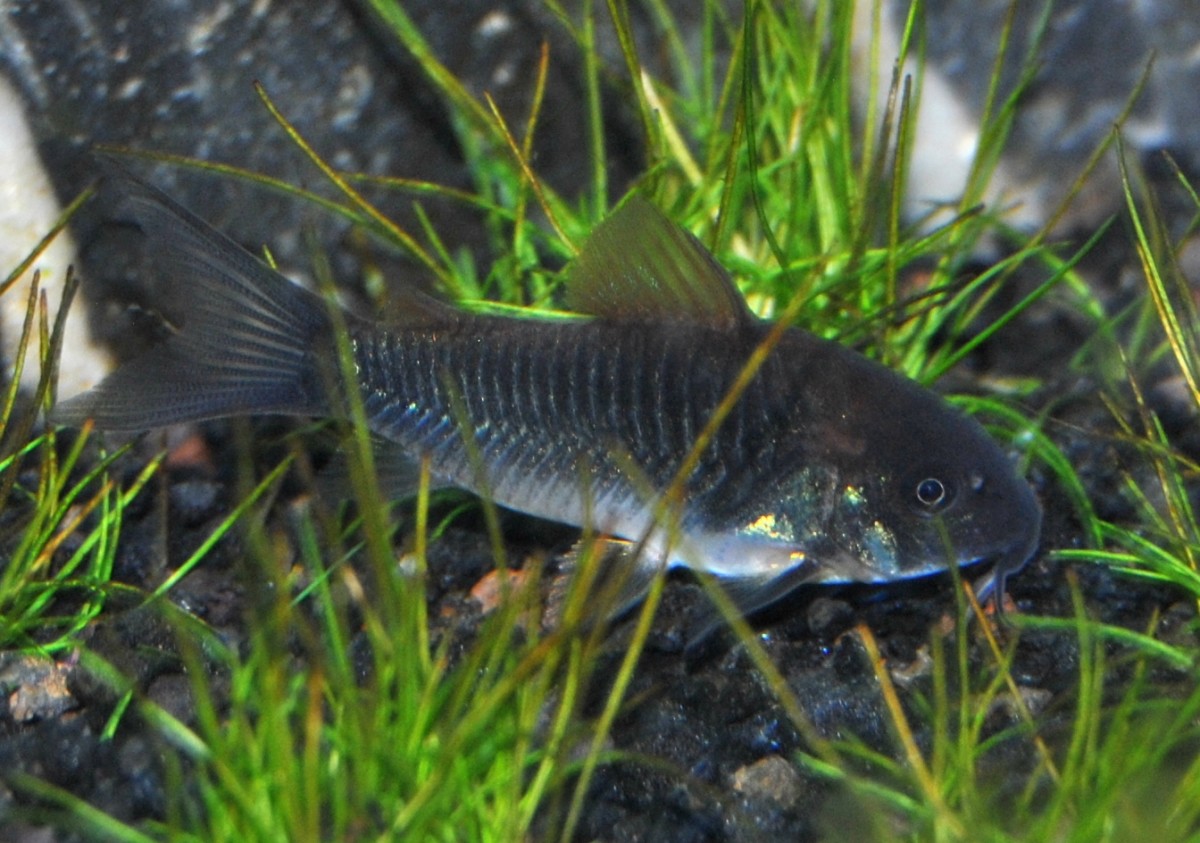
[[932, 493]]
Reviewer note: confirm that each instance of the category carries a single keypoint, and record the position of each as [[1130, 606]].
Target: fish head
[[880, 479], [926, 489], [941, 510]]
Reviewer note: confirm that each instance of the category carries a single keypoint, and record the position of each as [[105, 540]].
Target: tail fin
[[251, 341]]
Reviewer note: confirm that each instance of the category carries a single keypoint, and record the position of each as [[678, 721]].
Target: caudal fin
[[250, 341]]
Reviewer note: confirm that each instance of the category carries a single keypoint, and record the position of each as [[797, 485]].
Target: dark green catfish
[[828, 468]]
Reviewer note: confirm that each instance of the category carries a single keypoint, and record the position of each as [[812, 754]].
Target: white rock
[[28, 210]]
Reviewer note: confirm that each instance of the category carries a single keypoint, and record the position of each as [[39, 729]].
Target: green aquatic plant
[[64, 510]]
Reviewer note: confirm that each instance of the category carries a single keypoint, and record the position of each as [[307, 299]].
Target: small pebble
[[37, 688], [906, 674], [495, 586], [194, 501], [1035, 699], [829, 618], [190, 452], [172, 692], [770, 778]]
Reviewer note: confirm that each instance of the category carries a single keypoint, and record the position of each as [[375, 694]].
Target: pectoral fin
[[750, 595]]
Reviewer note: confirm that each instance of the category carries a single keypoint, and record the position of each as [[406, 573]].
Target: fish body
[[828, 467]]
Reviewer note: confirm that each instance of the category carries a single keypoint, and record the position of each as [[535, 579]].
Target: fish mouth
[[1009, 561]]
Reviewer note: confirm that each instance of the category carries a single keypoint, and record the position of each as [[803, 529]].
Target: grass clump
[[63, 510]]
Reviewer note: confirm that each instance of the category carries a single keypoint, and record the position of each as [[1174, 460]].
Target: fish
[[827, 468]]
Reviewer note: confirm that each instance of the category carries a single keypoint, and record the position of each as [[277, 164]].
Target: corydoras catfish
[[829, 467]]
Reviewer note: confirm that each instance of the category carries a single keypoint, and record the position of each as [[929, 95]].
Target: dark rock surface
[[179, 79], [1087, 61]]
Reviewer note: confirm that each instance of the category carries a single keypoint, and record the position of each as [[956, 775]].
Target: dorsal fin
[[640, 266]]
